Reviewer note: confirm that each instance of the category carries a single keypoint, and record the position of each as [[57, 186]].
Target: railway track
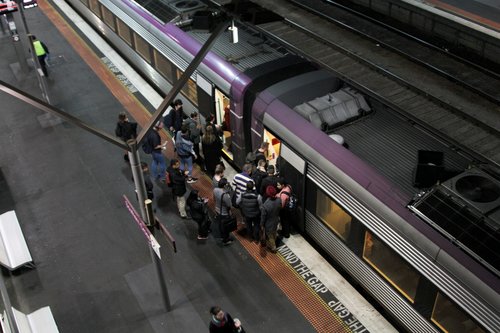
[[471, 121], [462, 71]]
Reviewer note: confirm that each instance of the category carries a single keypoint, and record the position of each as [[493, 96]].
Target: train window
[[108, 17], [392, 267], [142, 47], [94, 7], [333, 215], [163, 65], [449, 318], [189, 90], [124, 31]]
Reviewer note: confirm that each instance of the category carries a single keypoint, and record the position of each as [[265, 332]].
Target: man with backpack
[[185, 151], [250, 203], [194, 127], [240, 181], [288, 204]]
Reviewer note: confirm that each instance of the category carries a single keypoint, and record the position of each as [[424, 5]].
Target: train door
[[223, 119], [292, 168]]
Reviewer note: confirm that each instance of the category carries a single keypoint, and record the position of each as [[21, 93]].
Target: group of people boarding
[[262, 197], [258, 192]]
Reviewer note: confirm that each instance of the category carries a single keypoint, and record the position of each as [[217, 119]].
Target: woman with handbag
[[222, 197]]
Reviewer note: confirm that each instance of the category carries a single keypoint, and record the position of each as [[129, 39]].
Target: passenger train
[[414, 220]]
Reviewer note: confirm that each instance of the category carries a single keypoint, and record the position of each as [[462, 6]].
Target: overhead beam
[[41, 105]]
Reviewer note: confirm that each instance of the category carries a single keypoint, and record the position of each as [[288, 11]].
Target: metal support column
[[157, 260], [140, 187]]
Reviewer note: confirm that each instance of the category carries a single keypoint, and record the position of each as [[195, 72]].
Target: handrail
[[167, 234]]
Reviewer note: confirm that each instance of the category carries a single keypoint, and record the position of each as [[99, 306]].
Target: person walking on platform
[[250, 203], [125, 130], [270, 217], [285, 191], [185, 151], [41, 51], [212, 150], [179, 187], [199, 212], [222, 198], [152, 145], [222, 322]]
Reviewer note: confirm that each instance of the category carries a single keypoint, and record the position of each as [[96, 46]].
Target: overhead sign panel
[[8, 7]]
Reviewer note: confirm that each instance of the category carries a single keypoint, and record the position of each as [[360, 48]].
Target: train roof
[[251, 50]]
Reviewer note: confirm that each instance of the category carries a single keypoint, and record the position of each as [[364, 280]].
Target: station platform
[[93, 265], [485, 13]]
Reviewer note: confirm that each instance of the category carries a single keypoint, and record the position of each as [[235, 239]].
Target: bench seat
[[39, 321], [14, 251]]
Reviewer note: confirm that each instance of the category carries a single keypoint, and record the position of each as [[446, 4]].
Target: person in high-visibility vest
[[41, 51]]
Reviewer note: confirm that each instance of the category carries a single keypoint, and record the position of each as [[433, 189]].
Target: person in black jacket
[[262, 152], [173, 120], [259, 174], [270, 217], [250, 203], [199, 213], [212, 150], [222, 322], [147, 180], [269, 180], [179, 187], [125, 130]]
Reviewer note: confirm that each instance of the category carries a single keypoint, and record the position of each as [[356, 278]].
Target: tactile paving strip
[[314, 309]]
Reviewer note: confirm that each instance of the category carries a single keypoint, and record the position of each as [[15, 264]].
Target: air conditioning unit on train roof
[[477, 188], [186, 6]]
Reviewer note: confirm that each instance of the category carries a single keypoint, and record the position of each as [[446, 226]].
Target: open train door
[[223, 120]]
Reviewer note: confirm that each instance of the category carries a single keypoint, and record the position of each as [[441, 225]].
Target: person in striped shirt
[[241, 179]]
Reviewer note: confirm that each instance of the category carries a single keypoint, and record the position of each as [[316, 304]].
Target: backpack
[[183, 148], [234, 199], [168, 179], [292, 203], [147, 147]]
